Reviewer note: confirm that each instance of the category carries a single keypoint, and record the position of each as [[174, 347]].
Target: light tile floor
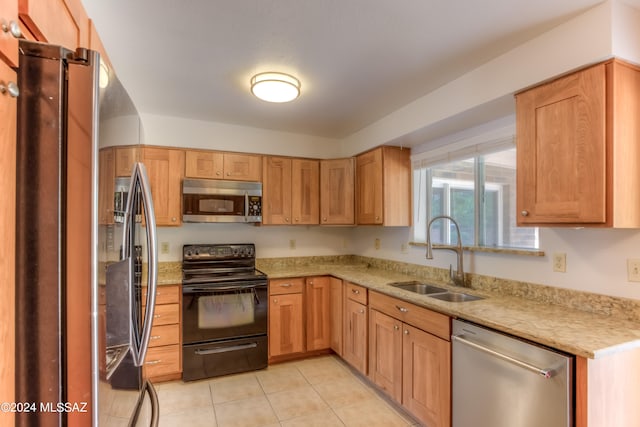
[[319, 392]]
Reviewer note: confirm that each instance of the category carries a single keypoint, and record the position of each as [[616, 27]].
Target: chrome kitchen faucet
[[458, 277]]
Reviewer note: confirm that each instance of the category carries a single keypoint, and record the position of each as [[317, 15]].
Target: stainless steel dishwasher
[[502, 381]]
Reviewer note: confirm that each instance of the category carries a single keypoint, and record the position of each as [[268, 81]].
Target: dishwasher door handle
[[545, 373]]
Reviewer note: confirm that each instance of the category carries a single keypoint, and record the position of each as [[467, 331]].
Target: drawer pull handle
[[154, 362], [402, 309], [157, 316], [285, 285], [155, 337]]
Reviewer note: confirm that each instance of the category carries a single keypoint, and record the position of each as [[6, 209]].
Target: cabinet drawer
[[166, 314], [162, 360], [166, 294], [165, 335], [286, 286], [435, 323], [356, 293]]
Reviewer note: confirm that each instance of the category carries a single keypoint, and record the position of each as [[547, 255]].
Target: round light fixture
[[275, 87]]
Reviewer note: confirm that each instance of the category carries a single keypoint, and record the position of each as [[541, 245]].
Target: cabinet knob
[[406, 332], [396, 327], [324, 219], [218, 173], [297, 219], [286, 220], [174, 219], [402, 309], [524, 213], [355, 291], [275, 301], [11, 88], [228, 173], [377, 218], [361, 311], [13, 28]]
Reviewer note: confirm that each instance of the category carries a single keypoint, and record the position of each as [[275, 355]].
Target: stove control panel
[[224, 251]]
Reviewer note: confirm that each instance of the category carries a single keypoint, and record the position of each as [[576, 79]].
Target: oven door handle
[[218, 350], [198, 290]]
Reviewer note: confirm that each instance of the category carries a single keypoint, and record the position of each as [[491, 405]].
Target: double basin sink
[[435, 292]]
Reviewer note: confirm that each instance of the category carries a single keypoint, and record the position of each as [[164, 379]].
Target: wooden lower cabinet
[[317, 304], [410, 364], [285, 324], [164, 357], [355, 335], [385, 353], [426, 376], [337, 314]]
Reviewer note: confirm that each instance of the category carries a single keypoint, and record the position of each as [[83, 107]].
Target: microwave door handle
[[246, 206], [152, 263]]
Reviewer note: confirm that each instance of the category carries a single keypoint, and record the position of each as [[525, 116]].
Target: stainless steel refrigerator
[[85, 287]]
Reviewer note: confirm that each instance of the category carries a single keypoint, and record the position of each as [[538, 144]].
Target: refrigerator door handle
[[139, 178]]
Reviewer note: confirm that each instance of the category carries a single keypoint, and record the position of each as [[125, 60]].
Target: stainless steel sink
[[455, 297], [419, 287]]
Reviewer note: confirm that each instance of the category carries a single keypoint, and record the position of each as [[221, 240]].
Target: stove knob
[[188, 253], [197, 252]]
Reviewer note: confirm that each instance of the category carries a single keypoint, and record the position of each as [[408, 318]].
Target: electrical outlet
[[164, 248], [292, 244], [560, 262], [633, 270], [376, 243]]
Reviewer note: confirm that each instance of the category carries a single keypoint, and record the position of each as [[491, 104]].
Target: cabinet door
[[562, 150], [285, 324], [337, 311], [106, 182], [8, 42], [318, 310], [305, 191], [8, 108], [165, 168], [385, 353], [369, 187], [125, 158], [355, 335], [52, 21], [276, 190], [336, 192], [242, 167], [204, 164], [426, 379]]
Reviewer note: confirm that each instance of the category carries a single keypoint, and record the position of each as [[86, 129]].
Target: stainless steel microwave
[[212, 200]]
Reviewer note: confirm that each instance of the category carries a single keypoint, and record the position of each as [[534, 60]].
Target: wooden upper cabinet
[[290, 191], [203, 164], [125, 158], [165, 168], [242, 167], [337, 191], [577, 154], [8, 39], [305, 191], [276, 190], [220, 165], [56, 21], [383, 187]]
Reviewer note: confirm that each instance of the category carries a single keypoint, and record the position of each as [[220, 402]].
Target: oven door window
[[226, 310], [211, 314]]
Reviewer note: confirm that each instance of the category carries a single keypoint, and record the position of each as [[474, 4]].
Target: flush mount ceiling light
[[275, 87]]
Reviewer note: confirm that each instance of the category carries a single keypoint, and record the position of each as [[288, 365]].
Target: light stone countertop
[[573, 331]]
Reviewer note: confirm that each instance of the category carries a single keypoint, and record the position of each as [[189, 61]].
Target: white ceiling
[[358, 60]]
